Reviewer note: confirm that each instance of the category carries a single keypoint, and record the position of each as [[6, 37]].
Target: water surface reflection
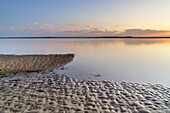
[[136, 60]]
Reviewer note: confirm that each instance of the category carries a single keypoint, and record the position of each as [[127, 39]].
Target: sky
[[62, 18]]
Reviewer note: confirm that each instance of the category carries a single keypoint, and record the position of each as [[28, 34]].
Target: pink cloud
[[48, 26], [76, 27], [85, 31], [145, 32], [89, 25], [31, 29], [23, 27], [70, 29], [101, 28], [12, 27], [36, 23], [95, 29], [79, 23], [39, 33], [42, 27], [54, 31], [63, 28], [70, 33], [1, 27], [114, 27]]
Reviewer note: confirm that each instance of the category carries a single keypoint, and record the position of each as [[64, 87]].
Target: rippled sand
[[48, 92], [26, 63]]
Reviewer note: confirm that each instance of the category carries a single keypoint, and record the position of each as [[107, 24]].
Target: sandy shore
[[27, 63], [48, 92]]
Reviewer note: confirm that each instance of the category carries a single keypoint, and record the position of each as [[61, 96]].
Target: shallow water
[[133, 60]]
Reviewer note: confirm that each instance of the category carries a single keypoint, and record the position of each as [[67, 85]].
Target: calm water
[[133, 60]]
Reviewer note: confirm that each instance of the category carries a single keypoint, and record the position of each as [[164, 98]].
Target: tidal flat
[[49, 92], [46, 91], [27, 63]]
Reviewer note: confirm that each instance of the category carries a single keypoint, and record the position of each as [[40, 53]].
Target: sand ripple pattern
[[52, 93], [26, 63]]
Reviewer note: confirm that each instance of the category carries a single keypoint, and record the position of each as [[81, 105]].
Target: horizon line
[[84, 37]]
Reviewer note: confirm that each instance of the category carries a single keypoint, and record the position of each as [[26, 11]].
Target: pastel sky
[[84, 18]]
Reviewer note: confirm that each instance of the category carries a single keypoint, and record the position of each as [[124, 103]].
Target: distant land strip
[[108, 37]]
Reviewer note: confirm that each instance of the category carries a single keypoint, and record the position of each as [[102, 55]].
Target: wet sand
[[48, 92], [27, 63]]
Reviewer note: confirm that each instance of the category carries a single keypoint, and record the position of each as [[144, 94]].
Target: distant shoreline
[[105, 37]]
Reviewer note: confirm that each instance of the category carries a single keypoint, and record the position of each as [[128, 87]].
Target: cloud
[[114, 27], [54, 31], [75, 26], [80, 23], [93, 32], [101, 28], [36, 23], [102, 33], [146, 32], [48, 26], [89, 25], [12, 27], [78, 30], [31, 29], [62, 28], [70, 29], [1, 27], [94, 29], [23, 27], [39, 33]]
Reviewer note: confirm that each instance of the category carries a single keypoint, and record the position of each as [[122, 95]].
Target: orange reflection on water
[[140, 59], [90, 48], [114, 46], [77, 48], [74, 45], [102, 45]]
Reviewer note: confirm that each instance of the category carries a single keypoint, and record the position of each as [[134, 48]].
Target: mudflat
[[27, 63], [48, 92]]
